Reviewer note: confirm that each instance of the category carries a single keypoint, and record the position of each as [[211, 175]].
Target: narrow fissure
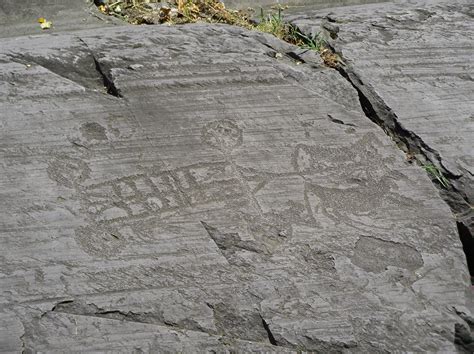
[[451, 186], [79, 308], [156, 317], [84, 70], [468, 246], [463, 338], [271, 338], [377, 111], [23, 343], [108, 82]]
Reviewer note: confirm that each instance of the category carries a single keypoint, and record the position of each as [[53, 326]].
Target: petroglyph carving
[[68, 171], [155, 193], [93, 131], [346, 181], [268, 204], [360, 160], [99, 241], [383, 254], [222, 134]]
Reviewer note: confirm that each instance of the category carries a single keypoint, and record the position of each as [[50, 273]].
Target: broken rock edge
[[377, 111], [380, 113]]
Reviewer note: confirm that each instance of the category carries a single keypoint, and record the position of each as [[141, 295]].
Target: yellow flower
[[45, 24]]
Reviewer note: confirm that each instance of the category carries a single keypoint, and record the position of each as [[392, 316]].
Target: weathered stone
[[214, 197], [20, 17], [417, 58], [411, 63], [295, 4]]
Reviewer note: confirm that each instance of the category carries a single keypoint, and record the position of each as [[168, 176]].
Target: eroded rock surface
[[412, 65], [182, 189]]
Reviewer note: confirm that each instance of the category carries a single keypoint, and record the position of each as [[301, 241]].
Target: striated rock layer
[[184, 189], [411, 63]]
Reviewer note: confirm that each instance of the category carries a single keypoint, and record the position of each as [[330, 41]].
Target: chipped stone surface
[[194, 193]]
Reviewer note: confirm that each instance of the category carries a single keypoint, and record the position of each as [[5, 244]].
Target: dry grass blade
[[214, 11]]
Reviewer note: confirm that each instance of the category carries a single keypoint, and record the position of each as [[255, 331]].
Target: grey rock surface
[[183, 189], [296, 4], [414, 57], [20, 17]]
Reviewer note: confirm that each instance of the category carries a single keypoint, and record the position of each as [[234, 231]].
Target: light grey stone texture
[[210, 197], [20, 17], [411, 62], [295, 4], [416, 57]]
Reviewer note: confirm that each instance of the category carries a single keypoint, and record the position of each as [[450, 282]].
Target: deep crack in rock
[[82, 68], [377, 111], [303, 301], [107, 80], [465, 317], [463, 338], [467, 240], [271, 338]]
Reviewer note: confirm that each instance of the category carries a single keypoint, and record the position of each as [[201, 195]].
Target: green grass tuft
[[274, 24], [435, 173]]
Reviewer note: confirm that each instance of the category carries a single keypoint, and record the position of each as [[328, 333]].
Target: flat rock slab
[[295, 4], [186, 189], [20, 17], [417, 57]]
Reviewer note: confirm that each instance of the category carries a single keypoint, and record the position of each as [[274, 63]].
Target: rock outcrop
[[186, 189]]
